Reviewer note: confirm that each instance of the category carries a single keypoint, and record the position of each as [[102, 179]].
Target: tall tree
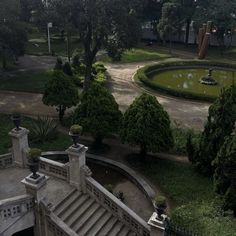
[[100, 22], [220, 122], [147, 124]]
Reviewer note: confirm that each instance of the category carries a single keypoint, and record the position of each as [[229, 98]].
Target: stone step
[[108, 227], [124, 231], [102, 221], [62, 207], [80, 218], [91, 222], [64, 200], [79, 206], [115, 229]]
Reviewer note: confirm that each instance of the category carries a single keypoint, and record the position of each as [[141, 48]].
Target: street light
[[49, 42]]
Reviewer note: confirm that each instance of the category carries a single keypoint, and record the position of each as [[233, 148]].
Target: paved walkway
[[183, 112]]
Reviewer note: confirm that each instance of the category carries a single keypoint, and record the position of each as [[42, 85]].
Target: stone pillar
[[36, 188], [20, 146], [157, 226], [77, 163]]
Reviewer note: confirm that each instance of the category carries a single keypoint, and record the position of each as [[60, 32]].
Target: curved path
[[183, 112]]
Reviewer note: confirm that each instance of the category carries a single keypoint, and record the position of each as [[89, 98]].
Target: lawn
[[139, 54], [196, 204], [60, 143], [30, 81], [37, 45]]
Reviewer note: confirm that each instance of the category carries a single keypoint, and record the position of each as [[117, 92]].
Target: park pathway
[[183, 112]]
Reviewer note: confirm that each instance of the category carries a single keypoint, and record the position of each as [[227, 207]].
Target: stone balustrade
[[116, 207], [54, 168], [16, 206], [6, 160]]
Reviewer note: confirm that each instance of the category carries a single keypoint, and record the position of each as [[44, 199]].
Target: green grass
[[139, 54], [39, 46], [187, 80], [25, 81], [60, 143], [196, 204]]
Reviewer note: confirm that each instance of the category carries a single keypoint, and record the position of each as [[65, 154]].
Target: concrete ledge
[[125, 170]]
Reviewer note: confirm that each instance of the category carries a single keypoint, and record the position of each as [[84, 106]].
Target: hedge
[[144, 73]]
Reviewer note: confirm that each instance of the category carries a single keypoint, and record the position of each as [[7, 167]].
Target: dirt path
[[183, 112]]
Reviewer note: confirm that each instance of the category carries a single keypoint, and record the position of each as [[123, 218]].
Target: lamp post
[[49, 41]]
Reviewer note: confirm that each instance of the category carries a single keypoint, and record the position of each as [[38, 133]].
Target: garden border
[[141, 77]]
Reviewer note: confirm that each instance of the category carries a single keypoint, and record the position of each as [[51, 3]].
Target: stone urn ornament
[[160, 205], [75, 132], [33, 161], [16, 118]]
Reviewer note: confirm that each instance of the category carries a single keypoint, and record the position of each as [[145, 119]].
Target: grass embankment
[[60, 143], [196, 204]]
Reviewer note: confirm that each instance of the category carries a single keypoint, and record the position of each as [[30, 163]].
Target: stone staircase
[[86, 217]]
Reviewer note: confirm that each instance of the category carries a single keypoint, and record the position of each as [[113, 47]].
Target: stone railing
[[12, 210], [117, 208], [54, 168], [53, 224], [6, 160]]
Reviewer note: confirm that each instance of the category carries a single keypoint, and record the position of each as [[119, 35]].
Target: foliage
[[220, 122], [109, 187], [99, 21], [67, 69], [76, 129], [34, 154], [43, 129], [60, 92], [194, 204], [190, 148], [147, 124], [59, 64], [160, 201], [225, 174], [170, 20], [98, 113]]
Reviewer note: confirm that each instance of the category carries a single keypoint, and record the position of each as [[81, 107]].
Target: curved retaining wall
[[121, 168]]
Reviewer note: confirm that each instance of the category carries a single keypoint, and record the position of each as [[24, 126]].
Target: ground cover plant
[[59, 142], [195, 206]]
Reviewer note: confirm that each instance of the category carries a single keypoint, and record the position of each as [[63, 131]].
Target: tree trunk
[[143, 152], [61, 113], [188, 21]]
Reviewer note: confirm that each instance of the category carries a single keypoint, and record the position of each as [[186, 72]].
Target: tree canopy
[[147, 124], [60, 91], [98, 113], [99, 23], [220, 122]]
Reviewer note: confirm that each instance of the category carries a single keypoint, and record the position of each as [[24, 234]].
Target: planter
[[34, 167], [75, 139], [160, 210], [17, 121]]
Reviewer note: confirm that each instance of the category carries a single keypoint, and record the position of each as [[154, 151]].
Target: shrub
[[34, 154], [147, 124], [100, 78], [160, 201], [76, 129], [43, 129], [98, 113], [59, 64], [67, 69]]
